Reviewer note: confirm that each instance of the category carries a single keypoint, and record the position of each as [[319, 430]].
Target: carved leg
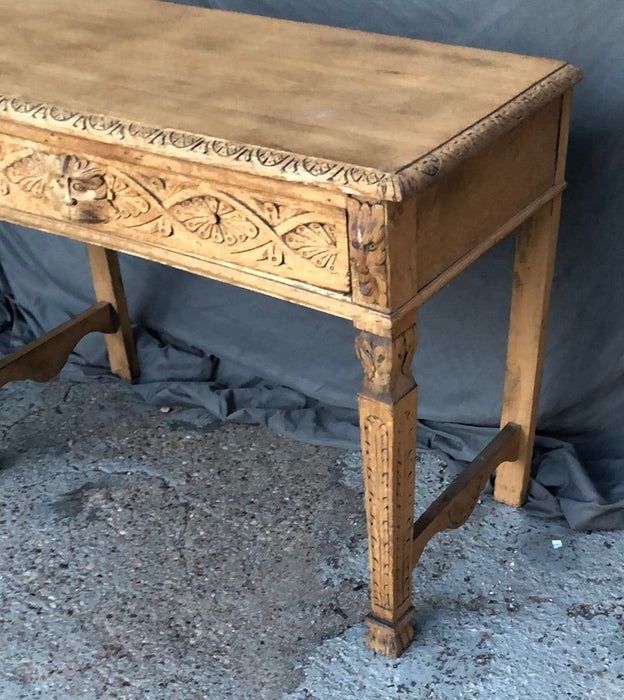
[[387, 406], [108, 287], [533, 270]]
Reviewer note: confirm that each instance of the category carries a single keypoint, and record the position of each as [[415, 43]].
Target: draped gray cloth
[[226, 353]]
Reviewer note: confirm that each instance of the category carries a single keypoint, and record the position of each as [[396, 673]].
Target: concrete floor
[[144, 556]]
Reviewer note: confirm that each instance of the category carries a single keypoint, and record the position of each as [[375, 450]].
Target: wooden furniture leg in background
[[109, 287], [387, 408], [534, 263], [43, 358]]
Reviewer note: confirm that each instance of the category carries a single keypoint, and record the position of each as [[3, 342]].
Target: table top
[[368, 113]]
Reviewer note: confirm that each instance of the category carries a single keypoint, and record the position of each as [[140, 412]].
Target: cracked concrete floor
[[144, 556]]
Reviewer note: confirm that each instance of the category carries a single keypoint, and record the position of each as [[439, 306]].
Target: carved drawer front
[[267, 233]]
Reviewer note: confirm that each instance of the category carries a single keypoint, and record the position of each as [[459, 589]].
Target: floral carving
[[215, 220], [373, 357], [84, 191], [30, 174], [274, 235], [259, 233], [275, 214]]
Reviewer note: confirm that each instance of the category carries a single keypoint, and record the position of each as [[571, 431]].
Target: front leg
[[387, 408]]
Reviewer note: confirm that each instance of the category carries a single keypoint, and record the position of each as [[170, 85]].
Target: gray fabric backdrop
[[294, 369]]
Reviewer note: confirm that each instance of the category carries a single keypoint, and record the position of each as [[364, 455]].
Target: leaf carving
[[273, 255], [371, 357], [125, 200], [161, 226], [29, 174]]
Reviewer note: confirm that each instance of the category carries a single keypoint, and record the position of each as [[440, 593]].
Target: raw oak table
[[349, 172]]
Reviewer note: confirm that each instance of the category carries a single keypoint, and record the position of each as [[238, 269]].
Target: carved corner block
[[390, 639], [368, 253]]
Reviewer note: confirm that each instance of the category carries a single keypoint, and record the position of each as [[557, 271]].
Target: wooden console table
[[349, 172]]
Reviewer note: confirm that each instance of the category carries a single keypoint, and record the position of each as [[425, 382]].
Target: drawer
[[286, 237]]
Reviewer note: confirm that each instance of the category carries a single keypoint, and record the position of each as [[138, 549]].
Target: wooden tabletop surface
[[369, 100]]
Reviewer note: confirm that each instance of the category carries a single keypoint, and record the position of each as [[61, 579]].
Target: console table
[[353, 173]]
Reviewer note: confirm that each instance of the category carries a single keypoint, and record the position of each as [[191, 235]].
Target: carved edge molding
[[242, 157], [417, 175], [294, 167]]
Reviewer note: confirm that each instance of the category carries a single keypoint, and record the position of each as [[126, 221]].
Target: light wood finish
[[44, 358], [533, 269], [352, 173], [387, 407], [108, 287], [454, 506], [292, 101], [298, 293], [437, 283], [534, 262], [278, 235], [478, 193]]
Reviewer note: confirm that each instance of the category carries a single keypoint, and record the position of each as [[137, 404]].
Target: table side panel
[[463, 209], [282, 235]]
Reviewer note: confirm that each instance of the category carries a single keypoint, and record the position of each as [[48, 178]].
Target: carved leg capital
[[387, 363]]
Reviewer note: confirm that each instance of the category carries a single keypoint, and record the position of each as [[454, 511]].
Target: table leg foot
[[390, 638]]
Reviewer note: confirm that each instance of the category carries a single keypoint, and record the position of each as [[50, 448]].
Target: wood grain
[[44, 358], [534, 263], [295, 292], [455, 505], [387, 408], [291, 101], [483, 193], [108, 287], [352, 173], [461, 263]]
